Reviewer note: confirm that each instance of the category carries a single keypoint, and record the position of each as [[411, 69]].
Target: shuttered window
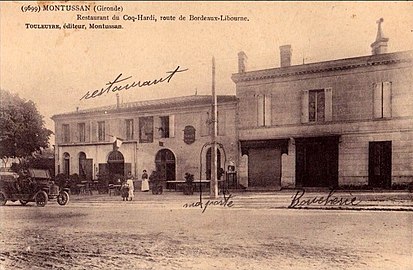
[[129, 129], [264, 110], [81, 130], [221, 122], [317, 105], [101, 131], [382, 93], [66, 133]]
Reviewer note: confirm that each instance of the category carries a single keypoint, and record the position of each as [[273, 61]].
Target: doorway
[[208, 162], [165, 165], [116, 164], [380, 164], [317, 162]]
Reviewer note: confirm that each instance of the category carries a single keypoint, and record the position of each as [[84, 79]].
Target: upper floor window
[[66, 133], [206, 123], [81, 129], [101, 131], [316, 105], [382, 99], [129, 129], [146, 129], [164, 127], [264, 110]]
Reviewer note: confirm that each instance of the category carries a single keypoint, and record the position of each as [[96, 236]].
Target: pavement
[[285, 199]]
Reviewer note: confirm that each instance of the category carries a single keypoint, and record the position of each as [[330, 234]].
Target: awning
[[272, 143]]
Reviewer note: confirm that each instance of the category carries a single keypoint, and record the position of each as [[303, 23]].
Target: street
[[158, 232]]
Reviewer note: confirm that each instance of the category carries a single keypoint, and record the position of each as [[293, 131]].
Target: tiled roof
[[185, 101]]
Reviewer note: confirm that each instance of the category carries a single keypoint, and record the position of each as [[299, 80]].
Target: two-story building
[[346, 122], [170, 135]]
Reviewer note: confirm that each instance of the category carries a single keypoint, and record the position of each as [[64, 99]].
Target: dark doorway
[[165, 164], [66, 164], [209, 160], [85, 167], [317, 162], [116, 164], [380, 164]]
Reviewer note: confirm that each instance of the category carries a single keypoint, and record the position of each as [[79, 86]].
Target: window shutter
[[304, 107], [267, 99], [157, 126], [204, 124], [73, 132], [377, 102], [328, 114], [87, 131], [260, 110], [136, 133], [121, 130], [94, 132], [172, 126], [387, 92], [221, 123], [59, 133], [108, 133]]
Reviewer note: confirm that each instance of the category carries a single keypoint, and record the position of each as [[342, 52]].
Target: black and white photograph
[[206, 135]]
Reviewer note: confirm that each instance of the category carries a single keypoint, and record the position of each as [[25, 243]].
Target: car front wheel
[[41, 198], [63, 198]]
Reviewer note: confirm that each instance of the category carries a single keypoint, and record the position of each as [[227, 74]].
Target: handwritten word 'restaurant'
[[119, 83]]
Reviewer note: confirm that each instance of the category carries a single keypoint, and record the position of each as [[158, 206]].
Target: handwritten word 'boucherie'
[[113, 86], [329, 200]]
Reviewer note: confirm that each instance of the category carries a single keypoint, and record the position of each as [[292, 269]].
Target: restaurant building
[[169, 135], [346, 122]]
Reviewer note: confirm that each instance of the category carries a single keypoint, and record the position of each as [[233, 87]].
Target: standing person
[[129, 182], [145, 182]]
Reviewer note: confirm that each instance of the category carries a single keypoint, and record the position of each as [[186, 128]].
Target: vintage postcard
[[206, 135]]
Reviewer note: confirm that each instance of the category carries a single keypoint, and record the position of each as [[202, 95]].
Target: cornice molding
[[328, 66]]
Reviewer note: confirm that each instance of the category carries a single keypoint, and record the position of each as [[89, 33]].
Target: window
[[66, 133], [164, 128], [382, 99], [101, 131], [129, 129], [81, 129], [316, 105], [264, 110], [146, 129]]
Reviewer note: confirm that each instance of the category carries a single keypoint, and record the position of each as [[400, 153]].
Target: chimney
[[117, 101], [285, 55], [380, 45], [242, 62]]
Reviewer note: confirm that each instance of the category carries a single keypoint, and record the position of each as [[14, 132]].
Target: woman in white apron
[[145, 182]]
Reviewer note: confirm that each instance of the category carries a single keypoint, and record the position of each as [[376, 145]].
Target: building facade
[[345, 122], [171, 136]]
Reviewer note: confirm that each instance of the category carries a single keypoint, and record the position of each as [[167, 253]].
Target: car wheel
[[3, 199], [23, 202], [41, 198], [63, 198]]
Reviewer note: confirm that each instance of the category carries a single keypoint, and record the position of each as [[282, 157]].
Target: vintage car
[[35, 186]]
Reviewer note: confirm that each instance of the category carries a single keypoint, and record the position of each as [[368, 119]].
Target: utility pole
[[214, 178]]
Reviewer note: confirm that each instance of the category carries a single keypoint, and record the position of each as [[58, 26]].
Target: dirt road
[[164, 235]]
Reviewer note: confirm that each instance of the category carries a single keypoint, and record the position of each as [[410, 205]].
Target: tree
[[22, 130]]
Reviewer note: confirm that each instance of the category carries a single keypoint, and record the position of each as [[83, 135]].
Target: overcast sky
[[55, 68]]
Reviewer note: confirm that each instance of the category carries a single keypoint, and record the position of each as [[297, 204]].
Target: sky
[[55, 68]]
